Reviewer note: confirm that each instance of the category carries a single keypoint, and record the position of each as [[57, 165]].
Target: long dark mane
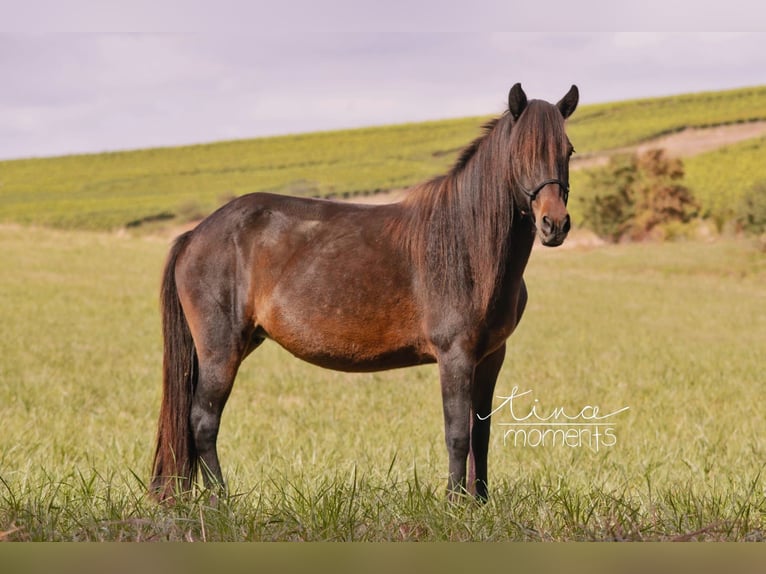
[[459, 224]]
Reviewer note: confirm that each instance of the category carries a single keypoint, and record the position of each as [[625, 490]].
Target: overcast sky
[[90, 92]]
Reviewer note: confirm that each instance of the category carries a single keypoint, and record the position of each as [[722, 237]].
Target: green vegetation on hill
[[112, 190], [721, 178], [613, 125]]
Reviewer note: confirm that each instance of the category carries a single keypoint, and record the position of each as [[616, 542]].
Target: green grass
[[673, 331], [112, 190]]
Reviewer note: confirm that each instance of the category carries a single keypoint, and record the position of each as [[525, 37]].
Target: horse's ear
[[517, 101], [568, 103]]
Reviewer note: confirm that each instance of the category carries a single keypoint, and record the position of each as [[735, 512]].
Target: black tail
[[175, 458]]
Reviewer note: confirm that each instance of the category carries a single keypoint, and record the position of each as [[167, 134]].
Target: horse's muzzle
[[554, 232]]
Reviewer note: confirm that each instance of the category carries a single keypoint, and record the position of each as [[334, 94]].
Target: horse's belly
[[349, 345], [346, 332], [357, 359]]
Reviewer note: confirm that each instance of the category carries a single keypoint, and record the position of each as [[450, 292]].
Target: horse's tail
[[175, 458]]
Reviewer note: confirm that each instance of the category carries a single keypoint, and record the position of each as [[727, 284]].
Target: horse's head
[[540, 152]]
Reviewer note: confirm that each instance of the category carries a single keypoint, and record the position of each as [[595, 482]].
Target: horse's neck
[[521, 241]]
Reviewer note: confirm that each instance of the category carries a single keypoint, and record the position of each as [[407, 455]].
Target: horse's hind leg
[[216, 378], [220, 353]]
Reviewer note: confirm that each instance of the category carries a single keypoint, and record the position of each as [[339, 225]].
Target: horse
[[434, 278]]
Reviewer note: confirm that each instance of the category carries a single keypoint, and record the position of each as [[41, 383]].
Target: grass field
[[109, 191], [675, 332]]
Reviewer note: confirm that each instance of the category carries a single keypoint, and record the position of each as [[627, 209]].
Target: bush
[[750, 212], [638, 195]]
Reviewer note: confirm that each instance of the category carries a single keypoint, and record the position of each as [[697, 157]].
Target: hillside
[[113, 190]]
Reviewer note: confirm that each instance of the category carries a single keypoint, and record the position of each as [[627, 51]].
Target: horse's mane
[[457, 226], [470, 150]]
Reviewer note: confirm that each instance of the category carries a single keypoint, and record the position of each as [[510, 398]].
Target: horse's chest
[[507, 315]]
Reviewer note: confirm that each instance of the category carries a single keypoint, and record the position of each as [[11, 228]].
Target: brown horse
[[434, 278]]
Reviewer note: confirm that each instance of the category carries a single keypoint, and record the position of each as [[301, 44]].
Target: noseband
[[563, 190]]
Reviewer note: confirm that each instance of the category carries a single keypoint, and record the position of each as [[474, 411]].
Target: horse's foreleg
[[456, 375], [481, 402]]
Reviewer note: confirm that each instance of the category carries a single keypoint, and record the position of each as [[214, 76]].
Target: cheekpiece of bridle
[[563, 190]]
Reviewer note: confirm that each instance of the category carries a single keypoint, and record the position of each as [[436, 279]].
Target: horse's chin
[[553, 240]]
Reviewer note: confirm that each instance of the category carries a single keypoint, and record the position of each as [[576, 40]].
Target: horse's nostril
[[567, 224], [547, 224]]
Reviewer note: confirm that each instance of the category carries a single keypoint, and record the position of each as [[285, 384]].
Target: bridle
[[563, 190]]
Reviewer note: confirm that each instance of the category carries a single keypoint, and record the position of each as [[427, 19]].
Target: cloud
[[69, 93], [633, 40]]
